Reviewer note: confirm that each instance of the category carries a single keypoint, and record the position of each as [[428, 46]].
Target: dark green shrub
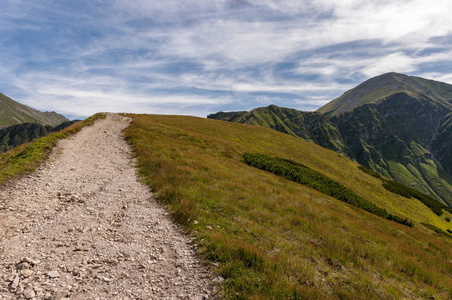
[[402, 190], [302, 174], [438, 230], [370, 172], [407, 192]]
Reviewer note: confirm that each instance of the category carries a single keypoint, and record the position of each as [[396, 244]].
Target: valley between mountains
[[83, 227]]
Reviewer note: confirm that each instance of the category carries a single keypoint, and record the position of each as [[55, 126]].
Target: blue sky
[[199, 57]]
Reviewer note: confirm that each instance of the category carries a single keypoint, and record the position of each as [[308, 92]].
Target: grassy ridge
[[27, 157], [299, 173], [271, 238]]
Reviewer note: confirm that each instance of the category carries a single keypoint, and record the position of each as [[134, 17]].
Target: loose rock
[[29, 294], [53, 274], [26, 273]]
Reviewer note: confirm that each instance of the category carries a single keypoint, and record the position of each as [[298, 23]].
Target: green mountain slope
[[398, 125], [271, 238], [441, 144], [12, 112], [395, 137]]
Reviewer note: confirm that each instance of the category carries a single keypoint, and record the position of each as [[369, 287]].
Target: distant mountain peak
[[379, 88]]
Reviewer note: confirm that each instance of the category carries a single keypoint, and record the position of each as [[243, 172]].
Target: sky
[[203, 56]]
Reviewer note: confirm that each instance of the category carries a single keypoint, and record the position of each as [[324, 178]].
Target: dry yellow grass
[[275, 239]]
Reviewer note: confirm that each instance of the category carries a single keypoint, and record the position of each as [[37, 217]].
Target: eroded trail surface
[[82, 227]]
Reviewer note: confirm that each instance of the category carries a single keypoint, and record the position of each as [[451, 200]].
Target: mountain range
[[397, 125]]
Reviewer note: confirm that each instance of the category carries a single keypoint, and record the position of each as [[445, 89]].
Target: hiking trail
[[83, 227]]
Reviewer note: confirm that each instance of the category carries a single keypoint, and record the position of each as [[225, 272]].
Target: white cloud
[[85, 103], [395, 62], [447, 78], [139, 54]]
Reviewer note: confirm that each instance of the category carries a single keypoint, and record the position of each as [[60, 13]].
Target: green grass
[[27, 157], [271, 238]]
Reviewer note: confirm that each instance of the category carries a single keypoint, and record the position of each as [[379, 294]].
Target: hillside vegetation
[[302, 174], [15, 135], [272, 238]]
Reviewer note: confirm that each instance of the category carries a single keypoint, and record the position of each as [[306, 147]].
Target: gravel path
[[82, 227]]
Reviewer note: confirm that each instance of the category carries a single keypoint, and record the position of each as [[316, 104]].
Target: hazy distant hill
[[12, 112], [398, 125], [15, 135]]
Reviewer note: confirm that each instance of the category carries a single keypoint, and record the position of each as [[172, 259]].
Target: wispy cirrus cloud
[[198, 57]]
